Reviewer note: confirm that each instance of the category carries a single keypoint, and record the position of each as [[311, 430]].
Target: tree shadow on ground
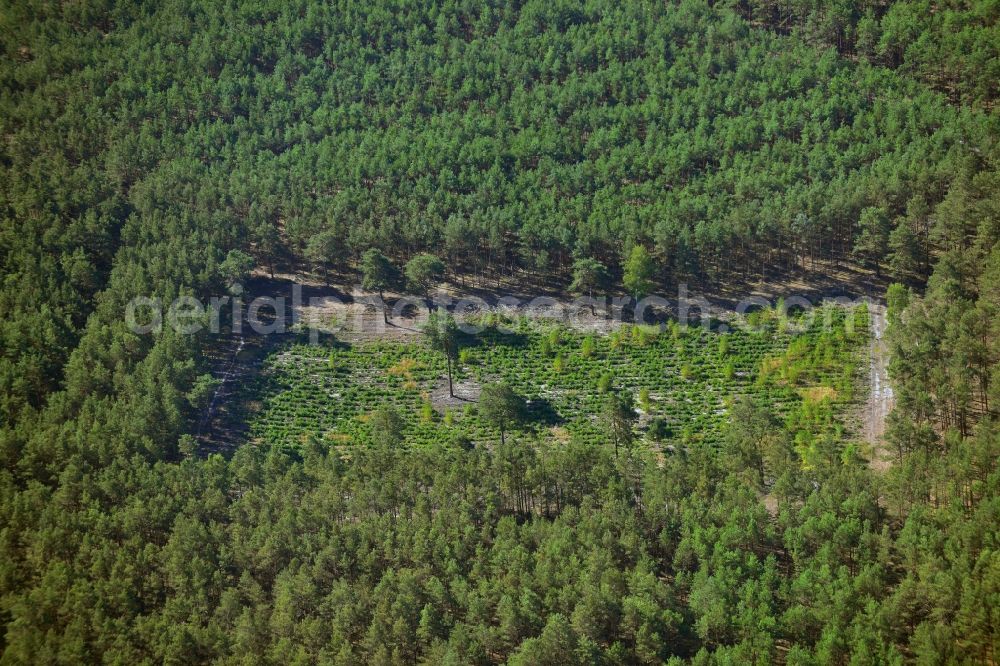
[[540, 412], [491, 336]]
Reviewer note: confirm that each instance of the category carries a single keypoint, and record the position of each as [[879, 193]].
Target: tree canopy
[[501, 407], [442, 334], [422, 273]]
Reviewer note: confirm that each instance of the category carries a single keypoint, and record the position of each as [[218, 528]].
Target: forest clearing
[[500, 333]]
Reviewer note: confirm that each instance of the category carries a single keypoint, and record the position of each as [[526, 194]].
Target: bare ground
[[467, 391], [339, 307]]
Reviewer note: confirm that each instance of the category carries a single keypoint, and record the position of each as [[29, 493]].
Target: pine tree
[[379, 274]]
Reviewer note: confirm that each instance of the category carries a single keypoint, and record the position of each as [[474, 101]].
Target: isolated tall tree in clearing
[[422, 272], [638, 272], [588, 274], [501, 407], [442, 333], [618, 414], [378, 274]]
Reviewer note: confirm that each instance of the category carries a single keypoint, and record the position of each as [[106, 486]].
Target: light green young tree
[[639, 270]]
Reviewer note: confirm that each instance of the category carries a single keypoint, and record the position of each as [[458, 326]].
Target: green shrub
[[559, 365], [427, 411], [604, 383], [659, 429], [616, 339]]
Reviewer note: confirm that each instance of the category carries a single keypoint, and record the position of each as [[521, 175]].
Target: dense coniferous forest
[[150, 148]]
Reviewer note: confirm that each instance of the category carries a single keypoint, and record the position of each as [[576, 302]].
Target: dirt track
[[880, 396]]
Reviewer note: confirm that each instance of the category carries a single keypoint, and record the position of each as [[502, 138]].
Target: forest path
[[229, 371], [235, 357], [880, 394]]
